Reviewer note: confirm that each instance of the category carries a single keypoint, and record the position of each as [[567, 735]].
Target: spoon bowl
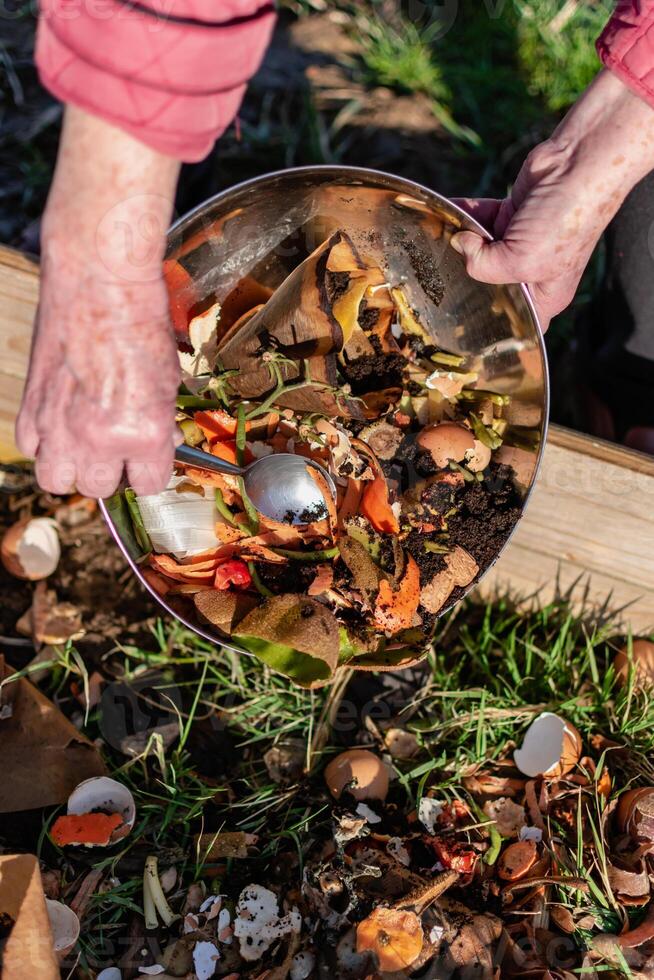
[[279, 486]]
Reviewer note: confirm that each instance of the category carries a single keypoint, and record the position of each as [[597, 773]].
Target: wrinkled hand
[[103, 375], [102, 381], [566, 193], [543, 238]]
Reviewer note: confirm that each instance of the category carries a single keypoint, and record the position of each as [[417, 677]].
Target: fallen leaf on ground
[[227, 844], [44, 756], [28, 949]]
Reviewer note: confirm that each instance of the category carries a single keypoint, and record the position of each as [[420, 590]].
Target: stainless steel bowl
[[266, 226]]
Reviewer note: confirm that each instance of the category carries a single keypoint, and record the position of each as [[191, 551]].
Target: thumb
[[486, 261]]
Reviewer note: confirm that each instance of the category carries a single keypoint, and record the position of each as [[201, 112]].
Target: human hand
[[566, 193], [104, 371]]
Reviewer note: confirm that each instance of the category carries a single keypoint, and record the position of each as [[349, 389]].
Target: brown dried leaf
[[469, 940], [227, 844], [44, 756], [51, 621]]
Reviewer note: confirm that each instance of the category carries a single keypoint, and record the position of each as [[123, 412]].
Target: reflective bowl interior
[[265, 227]]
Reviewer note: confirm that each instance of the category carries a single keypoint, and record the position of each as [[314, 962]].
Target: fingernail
[[456, 244]]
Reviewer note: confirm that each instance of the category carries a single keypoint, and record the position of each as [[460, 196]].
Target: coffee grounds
[[428, 276], [487, 514], [368, 316], [296, 576], [428, 562], [336, 284], [373, 372]]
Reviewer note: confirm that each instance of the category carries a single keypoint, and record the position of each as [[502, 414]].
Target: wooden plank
[[19, 290], [590, 517], [591, 513]]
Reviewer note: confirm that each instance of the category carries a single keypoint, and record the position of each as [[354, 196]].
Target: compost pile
[[235, 827], [334, 365]]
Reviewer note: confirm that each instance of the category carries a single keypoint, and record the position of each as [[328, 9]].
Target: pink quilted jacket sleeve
[[626, 46], [170, 72]]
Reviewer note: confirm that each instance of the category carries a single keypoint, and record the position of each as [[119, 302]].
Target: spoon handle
[[205, 461]]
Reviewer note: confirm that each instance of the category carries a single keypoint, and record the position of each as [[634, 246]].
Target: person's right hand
[[104, 372]]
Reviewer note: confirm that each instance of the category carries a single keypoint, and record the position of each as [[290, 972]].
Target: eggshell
[[642, 659], [635, 812], [446, 441], [551, 747], [64, 925], [479, 458], [106, 795], [360, 772], [517, 860], [30, 549]]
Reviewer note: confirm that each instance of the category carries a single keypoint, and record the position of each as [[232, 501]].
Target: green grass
[[556, 47], [503, 668], [400, 57], [491, 671]]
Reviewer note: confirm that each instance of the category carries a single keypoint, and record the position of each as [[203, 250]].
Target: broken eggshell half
[[635, 813], [640, 660], [100, 811], [359, 772], [30, 549], [446, 441], [551, 747], [64, 924]]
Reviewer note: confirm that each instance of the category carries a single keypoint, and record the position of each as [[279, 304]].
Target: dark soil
[[374, 372], [487, 514], [429, 563], [92, 575], [429, 278]]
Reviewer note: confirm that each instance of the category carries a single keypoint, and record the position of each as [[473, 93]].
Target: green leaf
[[240, 435], [140, 533], [300, 667], [121, 518]]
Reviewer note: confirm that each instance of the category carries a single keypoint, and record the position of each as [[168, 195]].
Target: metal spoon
[[278, 485]]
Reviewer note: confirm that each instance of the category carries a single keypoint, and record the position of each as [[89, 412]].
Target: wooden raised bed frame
[[590, 519]]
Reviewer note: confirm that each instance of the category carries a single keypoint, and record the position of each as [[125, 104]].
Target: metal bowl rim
[[470, 224]]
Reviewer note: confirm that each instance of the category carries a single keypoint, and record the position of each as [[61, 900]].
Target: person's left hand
[[566, 193], [541, 235]]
